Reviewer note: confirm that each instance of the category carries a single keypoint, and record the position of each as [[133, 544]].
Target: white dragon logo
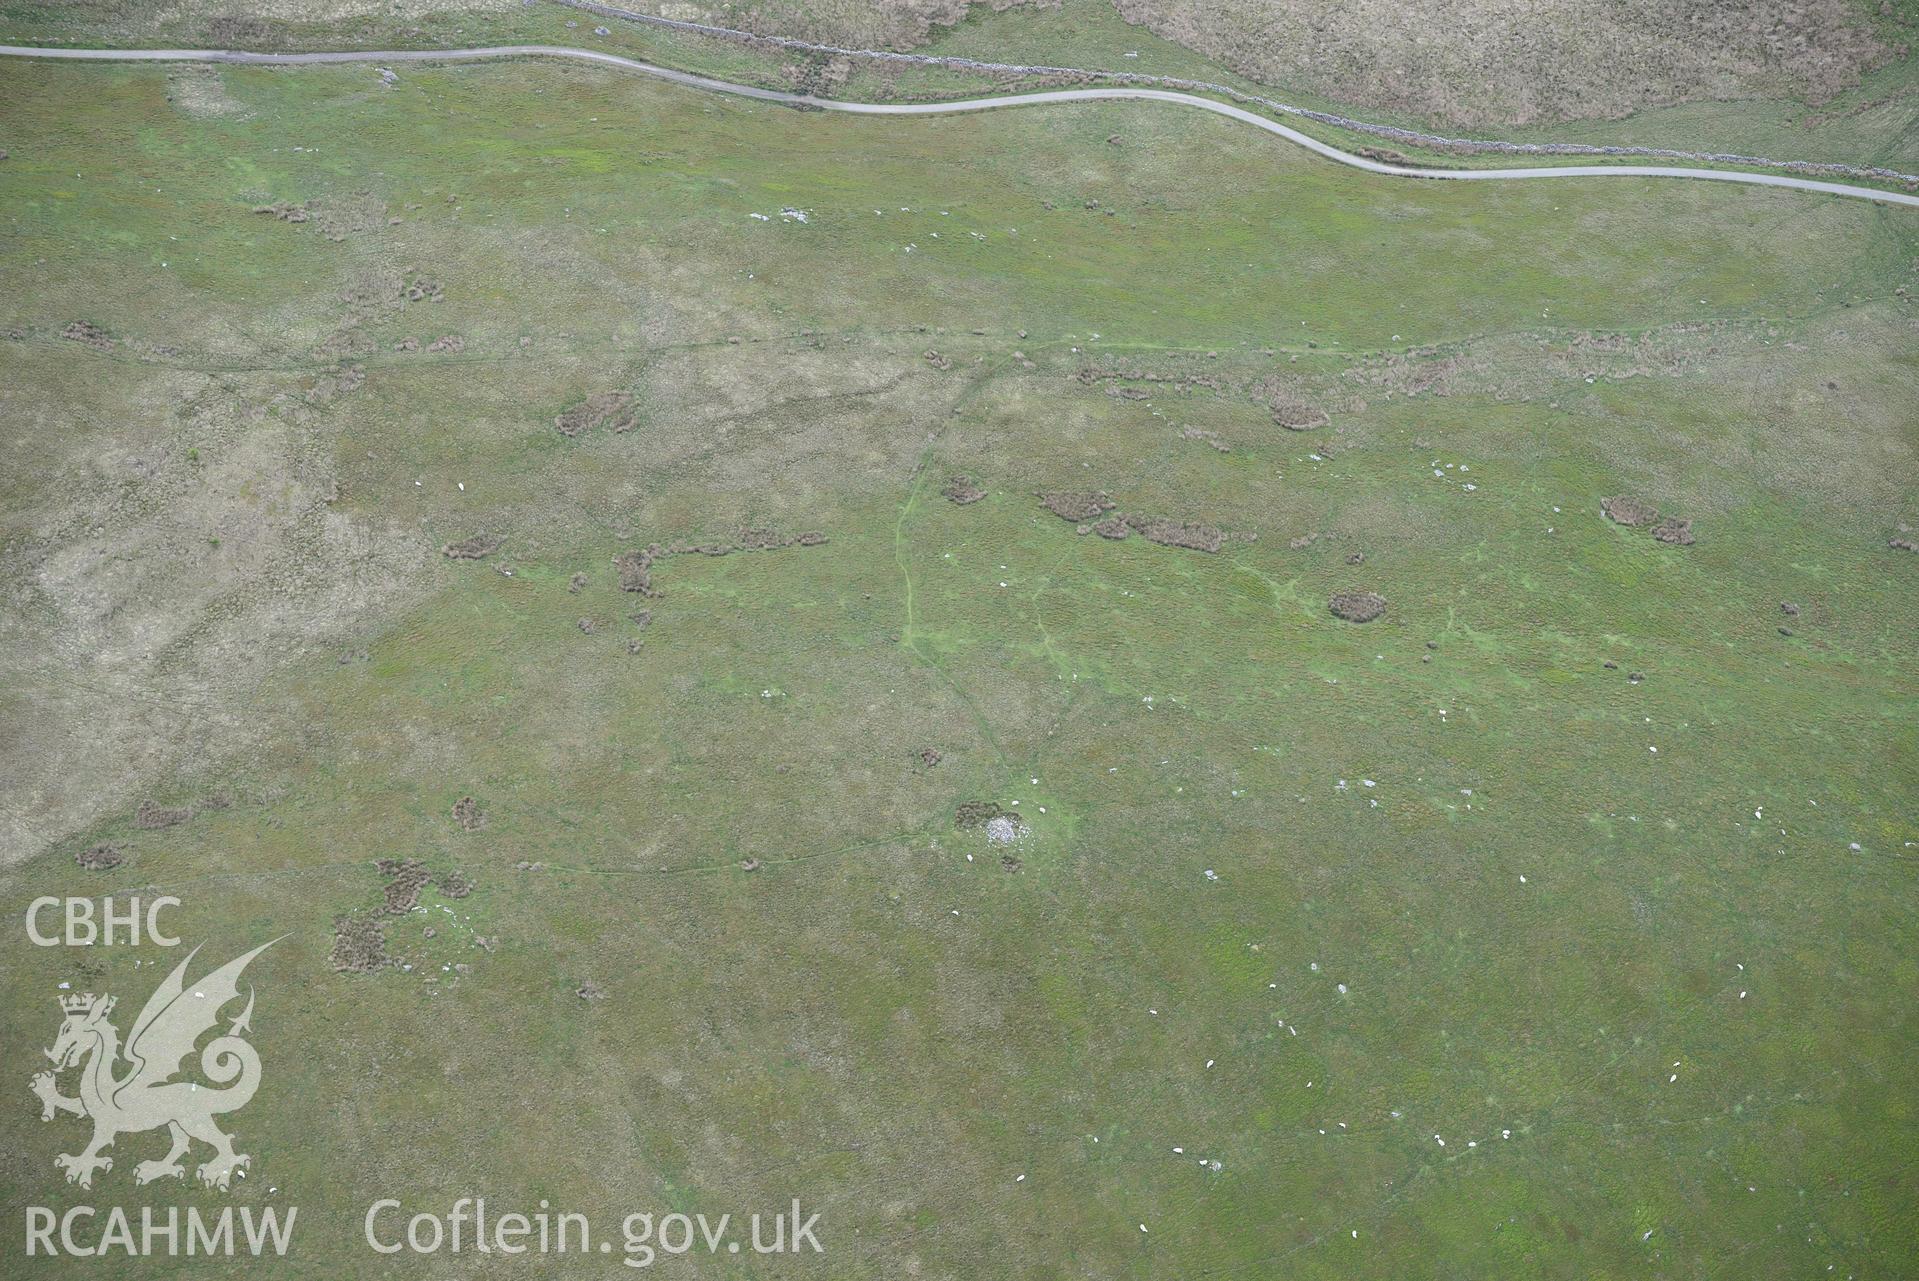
[[145, 1096]]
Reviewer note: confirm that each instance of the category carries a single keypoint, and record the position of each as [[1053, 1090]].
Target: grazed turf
[[870, 1020]]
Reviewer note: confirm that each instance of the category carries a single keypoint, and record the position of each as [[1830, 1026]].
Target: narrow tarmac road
[[968, 104]]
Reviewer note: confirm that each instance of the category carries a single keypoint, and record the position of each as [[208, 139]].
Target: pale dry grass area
[[1529, 61], [887, 24], [320, 10]]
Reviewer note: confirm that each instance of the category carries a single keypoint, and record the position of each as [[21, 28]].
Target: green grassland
[[223, 578]]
